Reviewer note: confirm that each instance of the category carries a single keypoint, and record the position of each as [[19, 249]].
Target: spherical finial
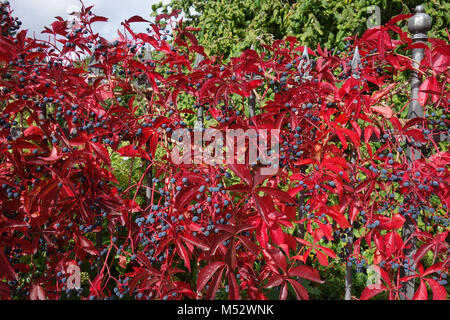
[[419, 23], [419, 9]]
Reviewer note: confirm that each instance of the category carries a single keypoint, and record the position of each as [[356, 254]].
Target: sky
[[35, 14]]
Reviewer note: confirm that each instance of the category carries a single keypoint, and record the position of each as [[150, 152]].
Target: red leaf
[[439, 292], [371, 291], [413, 122], [219, 239], [421, 293], [263, 208], [327, 251], [274, 281], [305, 272], [102, 152], [422, 251], [206, 273], [253, 248], [5, 267], [136, 279], [86, 245], [338, 217], [9, 225], [59, 27], [227, 228], [14, 107], [416, 134], [342, 139], [396, 124], [230, 255], [423, 95], [323, 260], [294, 191], [136, 19], [189, 28], [33, 131], [53, 156], [148, 265], [385, 111], [184, 197], [278, 194], [379, 242], [396, 222], [215, 283], [399, 17], [195, 241], [96, 285], [130, 151], [381, 93], [432, 269], [429, 85], [182, 252], [241, 187], [98, 18], [278, 258], [393, 242], [242, 172], [284, 291], [304, 242], [328, 87], [299, 290], [234, 287], [243, 227], [278, 235]]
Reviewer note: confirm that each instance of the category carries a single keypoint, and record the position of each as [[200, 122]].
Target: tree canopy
[[228, 27]]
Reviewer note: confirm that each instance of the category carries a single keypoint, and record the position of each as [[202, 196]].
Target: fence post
[[251, 99], [251, 107], [148, 110], [418, 25], [302, 67], [355, 65], [198, 59], [149, 176]]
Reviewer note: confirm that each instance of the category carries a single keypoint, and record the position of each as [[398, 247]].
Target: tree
[[228, 27]]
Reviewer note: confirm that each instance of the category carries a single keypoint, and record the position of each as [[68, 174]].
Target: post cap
[[419, 23]]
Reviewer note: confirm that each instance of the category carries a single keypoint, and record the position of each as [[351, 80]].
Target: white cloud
[[35, 14]]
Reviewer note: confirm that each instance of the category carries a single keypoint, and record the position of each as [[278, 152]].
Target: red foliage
[[209, 225]]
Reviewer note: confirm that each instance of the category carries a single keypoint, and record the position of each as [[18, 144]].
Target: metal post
[[350, 234], [198, 59], [149, 176], [356, 61], [304, 67], [355, 64], [148, 110], [94, 70], [418, 25], [251, 107], [251, 100], [348, 272], [301, 195], [200, 115]]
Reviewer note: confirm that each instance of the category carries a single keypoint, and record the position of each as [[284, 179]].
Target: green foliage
[[228, 27]]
